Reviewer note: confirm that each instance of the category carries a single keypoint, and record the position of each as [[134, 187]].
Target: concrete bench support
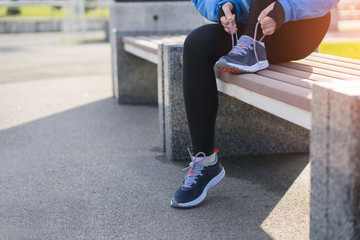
[[335, 157], [241, 128], [135, 79], [175, 133]]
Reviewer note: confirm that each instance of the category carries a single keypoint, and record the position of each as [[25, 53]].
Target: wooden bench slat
[[337, 58], [301, 82], [333, 62], [150, 43], [305, 75], [141, 43], [291, 94], [312, 64], [307, 67], [163, 39]]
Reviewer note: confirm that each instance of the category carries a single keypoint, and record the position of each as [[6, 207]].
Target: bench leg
[[240, 128], [135, 79], [335, 157], [172, 115]]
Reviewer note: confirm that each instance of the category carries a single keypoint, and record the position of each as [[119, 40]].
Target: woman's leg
[[202, 48], [296, 40]]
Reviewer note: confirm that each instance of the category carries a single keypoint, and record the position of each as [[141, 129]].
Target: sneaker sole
[[201, 198], [229, 70], [225, 66]]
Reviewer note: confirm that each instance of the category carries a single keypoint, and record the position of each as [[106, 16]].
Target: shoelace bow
[[240, 48], [195, 167]]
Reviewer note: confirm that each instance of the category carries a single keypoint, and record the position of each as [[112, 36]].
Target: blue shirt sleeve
[[207, 8], [305, 9], [210, 8]]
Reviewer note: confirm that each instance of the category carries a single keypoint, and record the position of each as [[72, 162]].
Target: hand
[[227, 7], [268, 24]]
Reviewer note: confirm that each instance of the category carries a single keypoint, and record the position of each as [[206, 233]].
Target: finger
[[228, 30], [268, 25], [268, 32], [267, 22], [227, 7], [224, 21], [233, 22], [262, 15], [266, 11]]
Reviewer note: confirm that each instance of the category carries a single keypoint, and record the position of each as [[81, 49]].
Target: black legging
[[206, 44]]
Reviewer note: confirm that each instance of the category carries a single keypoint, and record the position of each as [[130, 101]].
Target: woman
[[270, 32]]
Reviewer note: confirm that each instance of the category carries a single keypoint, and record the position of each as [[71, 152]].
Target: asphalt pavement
[[74, 164]]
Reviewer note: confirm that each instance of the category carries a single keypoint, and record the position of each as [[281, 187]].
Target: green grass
[[33, 11], [348, 49], [45, 11]]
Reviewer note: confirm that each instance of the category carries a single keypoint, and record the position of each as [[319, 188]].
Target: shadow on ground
[[96, 172]]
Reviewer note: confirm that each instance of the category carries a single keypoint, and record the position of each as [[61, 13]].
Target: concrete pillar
[[176, 133], [135, 79], [335, 157], [240, 128]]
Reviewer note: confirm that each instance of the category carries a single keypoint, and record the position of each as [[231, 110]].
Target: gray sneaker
[[248, 55]]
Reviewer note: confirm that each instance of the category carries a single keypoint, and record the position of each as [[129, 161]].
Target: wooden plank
[[311, 69], [333, 62], [342, 59], [144, 54], [308, 75], [141, 44], [150, 43], [163, 39], [313, 64], [301, 82], [290, 94]]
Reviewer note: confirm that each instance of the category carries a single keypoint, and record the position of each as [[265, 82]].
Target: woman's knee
[[201, 39]]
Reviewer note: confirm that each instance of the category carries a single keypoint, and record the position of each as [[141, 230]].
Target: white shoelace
[[195, 167]]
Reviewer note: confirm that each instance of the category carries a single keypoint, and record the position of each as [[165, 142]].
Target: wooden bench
[[283, 89], [320, 93]]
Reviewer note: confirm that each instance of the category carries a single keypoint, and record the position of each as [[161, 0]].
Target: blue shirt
[[294, 9]]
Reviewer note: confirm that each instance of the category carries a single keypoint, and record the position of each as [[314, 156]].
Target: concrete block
[[319, 162], [335, 155], [161, 100], [344, 164], [177, 137], [154, 16], [240, 128], [135, 79]]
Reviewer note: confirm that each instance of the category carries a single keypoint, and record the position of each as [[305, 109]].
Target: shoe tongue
[[245, 39]]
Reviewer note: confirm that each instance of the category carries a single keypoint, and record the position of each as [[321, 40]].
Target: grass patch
[[48, 11], [348, 49], [34, 11], [83, 41]]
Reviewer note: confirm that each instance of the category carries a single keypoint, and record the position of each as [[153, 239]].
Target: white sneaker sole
[[201, 198], [222, 63]]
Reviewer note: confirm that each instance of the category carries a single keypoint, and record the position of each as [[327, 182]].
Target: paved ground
[[76, 165]]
